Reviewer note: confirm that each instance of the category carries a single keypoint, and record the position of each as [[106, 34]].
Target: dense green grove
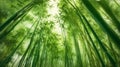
[[59, 33]]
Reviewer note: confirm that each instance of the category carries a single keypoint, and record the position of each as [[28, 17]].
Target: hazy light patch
[[97, 0], [31, 15], [52, 9], [26, 44], [27, 24], [57, 28], [53, 14]]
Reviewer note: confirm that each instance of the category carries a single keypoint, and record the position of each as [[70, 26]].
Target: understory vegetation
[[59, 33]]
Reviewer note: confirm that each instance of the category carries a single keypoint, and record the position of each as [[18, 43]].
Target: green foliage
[[59, 33]]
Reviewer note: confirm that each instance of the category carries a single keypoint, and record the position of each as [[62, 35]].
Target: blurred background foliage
[[59, 33]]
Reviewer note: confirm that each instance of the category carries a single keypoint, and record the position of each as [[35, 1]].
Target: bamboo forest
[[59, 33]]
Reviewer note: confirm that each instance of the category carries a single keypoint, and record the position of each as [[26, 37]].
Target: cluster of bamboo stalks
[[89, 35]]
